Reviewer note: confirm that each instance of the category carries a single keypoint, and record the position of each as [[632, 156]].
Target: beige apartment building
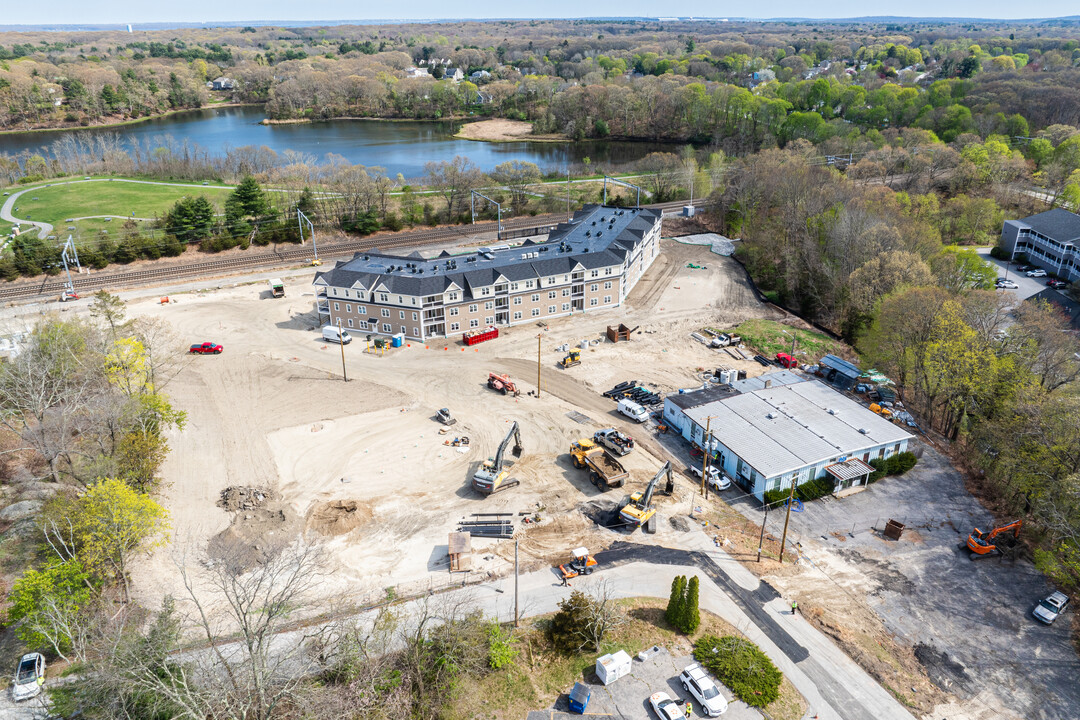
[[588, 264]]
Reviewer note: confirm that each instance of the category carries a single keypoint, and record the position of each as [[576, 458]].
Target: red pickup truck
[[206, 348]]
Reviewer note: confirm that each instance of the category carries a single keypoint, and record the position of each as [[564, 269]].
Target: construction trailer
[[491, 477]]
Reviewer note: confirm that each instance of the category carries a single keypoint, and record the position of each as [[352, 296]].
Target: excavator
[[491, 476], [639, 512], [986, 544], [572, 358]]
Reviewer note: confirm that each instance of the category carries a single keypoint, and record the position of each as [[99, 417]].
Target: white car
[[717, 480], [1048, 609], [1003, 283], [664, 707], [698, 683], [29, 677], [1037, 272]]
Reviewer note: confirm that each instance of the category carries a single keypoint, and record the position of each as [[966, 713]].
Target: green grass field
[[56, 203], [766, 337]]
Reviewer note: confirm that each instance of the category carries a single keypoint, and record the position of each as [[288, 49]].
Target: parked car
[[29, 677], [1050, 607], [1055, 283], [1024, 268], [1003, 283], [206, 348], [698, 683], [664, 707], [1037, 272], [716, 479], [68, 295]]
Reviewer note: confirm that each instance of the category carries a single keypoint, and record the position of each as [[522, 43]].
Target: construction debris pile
[[237, 498], [630, 389]]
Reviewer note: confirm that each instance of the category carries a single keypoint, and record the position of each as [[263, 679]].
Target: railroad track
[[278, 258]]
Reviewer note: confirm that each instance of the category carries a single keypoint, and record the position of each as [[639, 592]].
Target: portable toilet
[[397, 340], [611, 667], [579, 698]]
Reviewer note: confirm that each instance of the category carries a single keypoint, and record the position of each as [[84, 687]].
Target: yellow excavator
[[639, 512], [491, 476], [572, 358]]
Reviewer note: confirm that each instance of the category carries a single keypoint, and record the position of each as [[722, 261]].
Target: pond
[[398, 146]]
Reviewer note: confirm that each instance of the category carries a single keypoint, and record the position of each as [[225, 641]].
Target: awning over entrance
[[850, 473]]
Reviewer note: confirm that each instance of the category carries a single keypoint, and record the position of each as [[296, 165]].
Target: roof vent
[[864, 431], [834, 411], [588, 233], [771, 416], [599, 233]]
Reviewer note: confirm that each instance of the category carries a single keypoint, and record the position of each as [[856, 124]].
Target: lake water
[[399, 147]]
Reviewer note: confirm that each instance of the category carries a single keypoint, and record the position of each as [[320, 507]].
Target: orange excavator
[[982, 545]]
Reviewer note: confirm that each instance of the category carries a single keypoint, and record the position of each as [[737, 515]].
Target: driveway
[[1028, 286], [969, 622]]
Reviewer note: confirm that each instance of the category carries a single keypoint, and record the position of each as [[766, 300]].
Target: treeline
[[1000, 381]]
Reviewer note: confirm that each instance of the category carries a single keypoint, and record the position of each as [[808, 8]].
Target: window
[[535, 312], [415, 332], [535, 297], [565, 306], [383, 297], [489, 321], [399, 301], [453, 311], [404, 329], [415, 317], [566, 292], [361, 310], [336, 307], [517, 300], [514, 286], [385, 312], [607, 285], [594, 287], [517, 315], [485, 291], [350, 322], [592, 301], [607, 271], [552, 295], [472, 308], [594, 273], [551, 309], [346, 293], [348, 307], [607, 299], [401, 314], [386, 328], [489, 305], [452, 296], [454, 327], [529, 284], [474, 323]]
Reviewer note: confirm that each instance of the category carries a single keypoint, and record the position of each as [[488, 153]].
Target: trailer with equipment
[[491, 477]]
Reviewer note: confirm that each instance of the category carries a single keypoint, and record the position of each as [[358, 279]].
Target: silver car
[[1050, 607], [29, 677]]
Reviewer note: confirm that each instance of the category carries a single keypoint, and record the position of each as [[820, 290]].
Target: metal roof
[[841, 365], [850, 469], [775, 379], [701, 396], [598, 236], [783, 429]]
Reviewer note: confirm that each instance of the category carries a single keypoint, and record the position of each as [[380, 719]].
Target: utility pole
[[783, 538], [705, 460], [341, 342], [517, 615], [761, 538], [539, 339], [567, 193]]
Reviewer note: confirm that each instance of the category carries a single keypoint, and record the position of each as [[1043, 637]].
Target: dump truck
[[605, 472], [277, 288], [491, 477]]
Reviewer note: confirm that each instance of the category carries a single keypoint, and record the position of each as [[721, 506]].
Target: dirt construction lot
[[362, 465], [969, 623]]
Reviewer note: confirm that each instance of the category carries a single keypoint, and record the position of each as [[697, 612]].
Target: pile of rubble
[[238, 498]]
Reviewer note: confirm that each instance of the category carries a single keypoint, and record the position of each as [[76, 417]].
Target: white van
[[632, 410], [336, 335]]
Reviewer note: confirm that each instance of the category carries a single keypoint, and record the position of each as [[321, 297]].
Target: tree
[[250, 198], [675, 602], [516, 176], [585, 619], [105, 527], [961, 269], [453, 180], [690, 615], [108, 307], [47, 605], [191, 219]]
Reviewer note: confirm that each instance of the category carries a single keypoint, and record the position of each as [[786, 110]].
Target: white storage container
[[612, 666]]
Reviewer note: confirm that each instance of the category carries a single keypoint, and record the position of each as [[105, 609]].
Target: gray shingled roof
[[1058, 224], [598, 236]]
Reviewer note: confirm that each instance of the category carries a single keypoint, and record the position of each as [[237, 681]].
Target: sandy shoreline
[[503, 130]]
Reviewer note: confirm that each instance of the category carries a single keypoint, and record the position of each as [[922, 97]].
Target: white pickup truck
[[716, 479]]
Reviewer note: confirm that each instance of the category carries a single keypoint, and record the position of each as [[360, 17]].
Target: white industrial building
[[787, 430]]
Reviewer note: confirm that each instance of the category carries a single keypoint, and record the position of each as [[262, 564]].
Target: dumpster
[[579, 698], [397, 340], [894, 529]]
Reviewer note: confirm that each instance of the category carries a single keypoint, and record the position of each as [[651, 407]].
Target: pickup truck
[[615, 441], [206, 348], [717, 480]]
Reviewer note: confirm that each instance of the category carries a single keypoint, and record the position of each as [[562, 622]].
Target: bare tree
[[454, 180]]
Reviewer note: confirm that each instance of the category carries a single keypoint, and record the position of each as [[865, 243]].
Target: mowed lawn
[[57, 203]]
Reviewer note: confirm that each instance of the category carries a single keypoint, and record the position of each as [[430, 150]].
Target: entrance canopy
[[850, 472]]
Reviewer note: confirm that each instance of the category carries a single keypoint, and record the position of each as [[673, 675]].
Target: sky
[[136, 11]]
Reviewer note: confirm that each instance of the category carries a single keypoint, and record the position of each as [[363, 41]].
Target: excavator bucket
[[516, 450]]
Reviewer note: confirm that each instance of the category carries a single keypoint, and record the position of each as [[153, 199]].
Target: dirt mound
[[254, 536], [238, 498], [604, 513], [680, 523], [338, 517]]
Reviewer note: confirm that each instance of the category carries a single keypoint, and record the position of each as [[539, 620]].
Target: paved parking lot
[[628, 697], [1028, 286]]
